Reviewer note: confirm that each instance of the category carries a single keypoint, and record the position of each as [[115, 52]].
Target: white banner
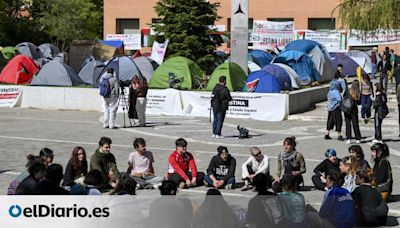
[[131, 41], [164, 102], [9, 96], [333, 41], [158, 51], [271, 34]]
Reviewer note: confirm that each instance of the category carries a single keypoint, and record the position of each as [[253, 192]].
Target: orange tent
[[19, 70]]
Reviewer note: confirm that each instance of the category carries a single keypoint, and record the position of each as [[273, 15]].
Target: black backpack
[[243, 132], [347, 103]]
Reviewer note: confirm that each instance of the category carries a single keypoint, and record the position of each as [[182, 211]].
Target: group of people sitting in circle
[[355, 193]]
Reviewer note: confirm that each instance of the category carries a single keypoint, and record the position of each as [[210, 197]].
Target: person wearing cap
[[328, 166], [221, 170], [255, 164]]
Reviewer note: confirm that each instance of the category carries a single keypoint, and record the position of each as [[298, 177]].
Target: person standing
[[366, 102], [221, 170], [385, 69], [374, 61], [351, 118], [109, 90], [132, 113], [219, 103], [139, 84], [381, 111]]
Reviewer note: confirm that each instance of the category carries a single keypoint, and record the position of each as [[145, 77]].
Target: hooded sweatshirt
[[219, 167]]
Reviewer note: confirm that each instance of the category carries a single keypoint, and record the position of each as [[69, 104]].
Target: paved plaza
[[25, 131]]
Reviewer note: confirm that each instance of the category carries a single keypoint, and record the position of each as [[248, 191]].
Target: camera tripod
[[124, 102]]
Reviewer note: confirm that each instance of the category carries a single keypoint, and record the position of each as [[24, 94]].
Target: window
[[128, 26], [321, 23], [280, 19]]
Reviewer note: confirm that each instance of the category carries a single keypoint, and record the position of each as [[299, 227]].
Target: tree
[[370, 15], [186, 24]]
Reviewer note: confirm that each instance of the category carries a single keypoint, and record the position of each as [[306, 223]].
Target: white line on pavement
[[48, 120]]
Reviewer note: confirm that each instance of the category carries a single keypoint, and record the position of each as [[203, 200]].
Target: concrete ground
[[25, 131]]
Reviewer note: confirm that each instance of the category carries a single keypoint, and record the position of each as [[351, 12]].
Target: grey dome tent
[[124, 68], [29, 50], [49, 50], [146, 67], [55, 73], [91, 70]]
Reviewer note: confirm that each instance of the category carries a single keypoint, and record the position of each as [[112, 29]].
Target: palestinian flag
[[251, 86]]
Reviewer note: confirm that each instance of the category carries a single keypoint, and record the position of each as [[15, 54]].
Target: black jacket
[[220, 98], [70, 176], [383, 175], [367, 200], [47, 187], [327, 167], [380, 105], [218, 167], [27, 186]]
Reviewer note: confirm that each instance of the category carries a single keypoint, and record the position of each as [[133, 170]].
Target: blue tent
[[260, 57], [349, 65], [262, 82], [113, 43], [301, 45], [280, 74], [301, 63]]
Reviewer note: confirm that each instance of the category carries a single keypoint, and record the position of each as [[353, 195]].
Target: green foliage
[[185, 23]]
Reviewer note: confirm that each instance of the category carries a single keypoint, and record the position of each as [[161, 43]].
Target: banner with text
[[158, 51], [163, 102], [131, 41], [271, 34], [9, 96], [332, 40]]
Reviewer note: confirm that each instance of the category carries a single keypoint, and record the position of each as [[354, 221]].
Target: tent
[[55, 73], [177, 72], [301, 63], [9, 52], [363, 59], [252, 66], [294, 78], [91, 70], [146, 66], [19, 70], [235, 76], [262, 82], [29, 50], [280, 74], [49, 50], [124, 68], [260, 57], [349, 65], [318, 54]]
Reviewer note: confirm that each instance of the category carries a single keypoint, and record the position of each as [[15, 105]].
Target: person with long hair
[[352, 117], [366, 91], [382, 170], [132, 113], [357, 153], [348, 168], [381, 111], [77, 167]]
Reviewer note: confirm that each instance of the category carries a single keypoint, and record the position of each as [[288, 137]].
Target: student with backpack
[[109, 90], [219, 103], [351, 112]]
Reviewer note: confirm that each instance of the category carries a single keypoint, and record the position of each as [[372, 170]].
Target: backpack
[[105, 87], [243, 132], [347, 104]]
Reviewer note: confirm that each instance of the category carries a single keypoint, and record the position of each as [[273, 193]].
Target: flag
[[252, 86]]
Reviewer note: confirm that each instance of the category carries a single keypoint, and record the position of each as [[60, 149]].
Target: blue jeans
[[366, 104], [373, 70], [219, 117], [210, 182]]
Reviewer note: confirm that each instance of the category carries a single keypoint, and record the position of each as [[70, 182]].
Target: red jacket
[[181, 164]]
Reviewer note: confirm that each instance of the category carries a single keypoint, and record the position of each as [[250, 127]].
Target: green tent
[[235, 76], [9, 52], [177, 72]]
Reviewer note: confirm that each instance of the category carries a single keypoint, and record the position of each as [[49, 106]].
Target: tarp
[[29, 50], [235, 76], [363, 59], [262, 82], [103, 52], [301, 63], [280, 74], [113, 43], [19, 70], [294, 78], [55, 73], [317, 53], [349, 65], [91, 70], [124, 69], [260, 57], [186, 74], [146, 66], [49, 50]]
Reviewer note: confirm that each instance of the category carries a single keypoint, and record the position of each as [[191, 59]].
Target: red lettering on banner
[[9, 96]]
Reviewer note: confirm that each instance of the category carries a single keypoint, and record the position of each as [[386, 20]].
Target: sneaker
[[205, 183], [113, 127], [213, 135], [105, 127], [228, 186], [375, 141], [156, 186], [348, 141], [340, 138], [219, 137], [358, 141], [246, 187], [327, 137]]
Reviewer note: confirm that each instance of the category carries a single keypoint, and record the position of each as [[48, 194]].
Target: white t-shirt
[[141, 163]]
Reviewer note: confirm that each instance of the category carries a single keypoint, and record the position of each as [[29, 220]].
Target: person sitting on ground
[[51, 184], [348, 169], [179, 163], [293, 203], [141, 166], [370, 209], [104, 161], [221, 170], [328, 166], [24, 174], [357, 152], [290, 161], [255, 164], [90, 184], [337, 205], [126, 185], [264, 209], [214, 212], [37, 172], [77, 167], [382, 170]]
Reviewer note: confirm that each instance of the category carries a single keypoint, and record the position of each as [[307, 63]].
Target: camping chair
[[201, 82]]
